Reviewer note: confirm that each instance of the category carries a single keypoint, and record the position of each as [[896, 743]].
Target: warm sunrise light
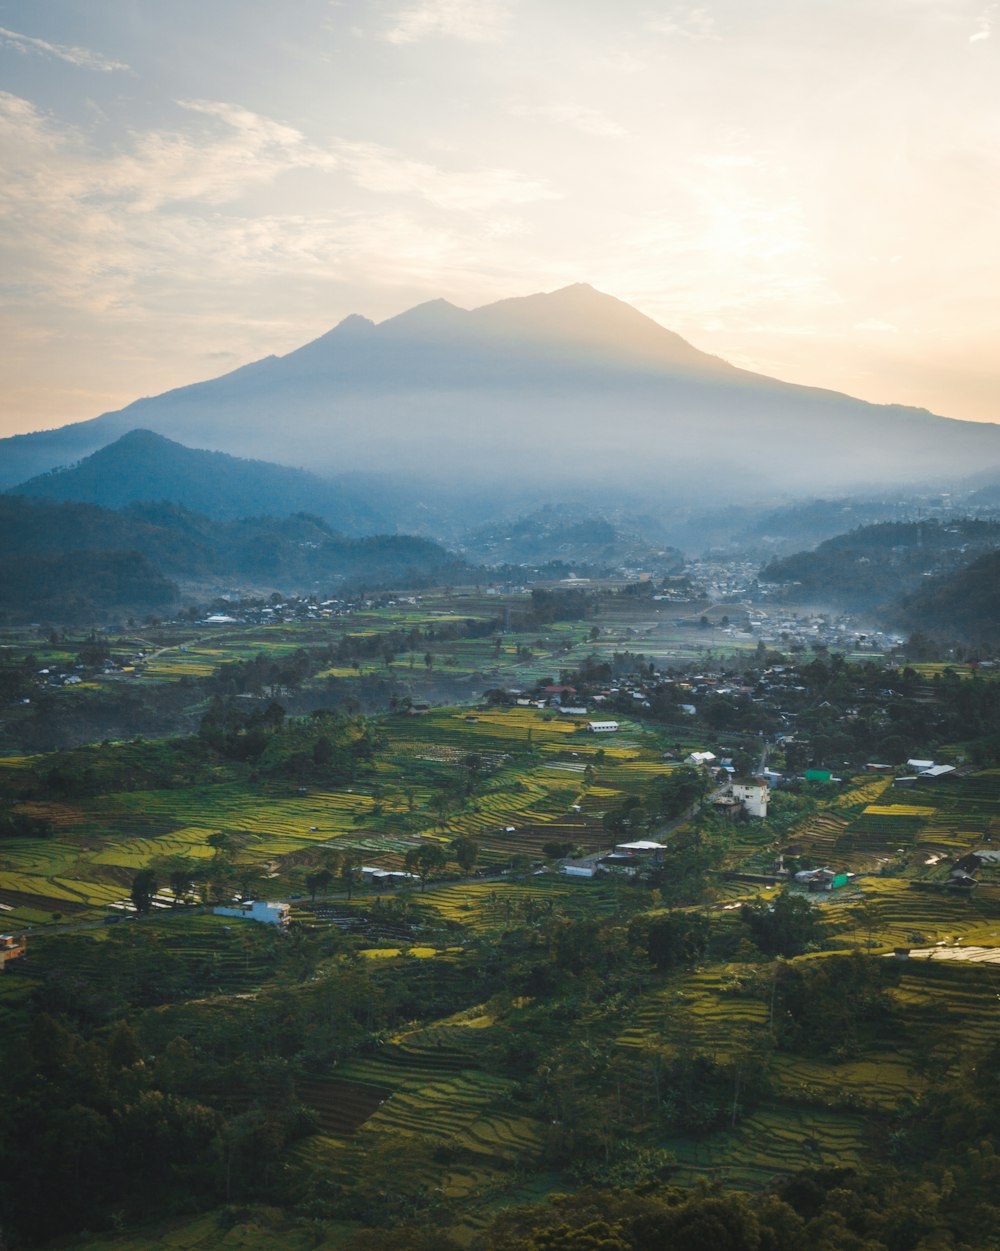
[[805, 190]]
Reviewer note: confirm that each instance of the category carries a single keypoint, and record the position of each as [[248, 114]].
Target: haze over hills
[[142, 466], [571, 390], [68, 561]]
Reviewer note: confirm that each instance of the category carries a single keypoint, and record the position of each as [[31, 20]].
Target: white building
[[701, 759], [602, 727], [256, 910], [753, 795], [579, 868]]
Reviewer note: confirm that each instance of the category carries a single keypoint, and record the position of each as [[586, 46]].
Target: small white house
[[256, 910], [579, 868], [753, 794], [602, 727], [701, 759]]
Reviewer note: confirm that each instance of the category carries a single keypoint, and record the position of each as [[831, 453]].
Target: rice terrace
[[532, 946]]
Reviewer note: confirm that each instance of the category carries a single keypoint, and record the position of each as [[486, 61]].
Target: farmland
[[493, 1031]]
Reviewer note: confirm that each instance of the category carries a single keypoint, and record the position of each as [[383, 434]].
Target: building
[[256, 910], [602, 727], [10, 948], [823, 879], [936, 772], [579, 868], [372, 875], [753, 794]]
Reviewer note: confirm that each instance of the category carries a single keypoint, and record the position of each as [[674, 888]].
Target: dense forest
[[964, 604], [870, 568], [43, 578]]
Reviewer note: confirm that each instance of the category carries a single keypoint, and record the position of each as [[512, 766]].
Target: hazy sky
[[808, 188]]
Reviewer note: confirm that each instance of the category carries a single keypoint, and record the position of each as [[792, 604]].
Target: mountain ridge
[[143, 466], [572, 388]]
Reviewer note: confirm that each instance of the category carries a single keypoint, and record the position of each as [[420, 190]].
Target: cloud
[[475, 21], [126, 232], [387, 172], [690, 23], [577, 116], [985, 25], [83, 57]]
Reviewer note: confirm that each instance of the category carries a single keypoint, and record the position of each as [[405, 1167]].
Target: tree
[[474, 763], [466, 851], [784, 927], [424, 859], [347, 869], [318, 881], [181, 874], [144, 886], [678, 938], [221, 843]]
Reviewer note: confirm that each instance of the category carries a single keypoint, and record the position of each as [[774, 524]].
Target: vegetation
[[75, 562], [690, 1051]]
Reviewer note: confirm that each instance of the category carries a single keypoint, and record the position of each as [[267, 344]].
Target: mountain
[[572, 391], [143, 466]]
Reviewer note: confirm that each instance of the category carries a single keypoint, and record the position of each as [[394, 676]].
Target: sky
[[807, 188]]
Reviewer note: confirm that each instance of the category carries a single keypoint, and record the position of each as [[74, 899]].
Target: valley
[[493, 1029], [521, 853]]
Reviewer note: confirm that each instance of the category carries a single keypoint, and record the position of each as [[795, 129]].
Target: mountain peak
[[432, 316], [353, 323], [591, 324], [140, 438]]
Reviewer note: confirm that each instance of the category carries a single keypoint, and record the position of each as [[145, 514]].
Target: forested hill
[[136, 555], [143, 466], [578, 534], [964, 604], [872, 567]]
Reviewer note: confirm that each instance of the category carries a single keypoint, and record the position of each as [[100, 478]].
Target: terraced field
[[539, 761], [773, 1140], [431, 1094]]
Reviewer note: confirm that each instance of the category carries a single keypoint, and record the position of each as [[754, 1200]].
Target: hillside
[[573, 389], [43, 574], [572, 536], [486, 1035], [963, 605], [143, 466], [871, 567]]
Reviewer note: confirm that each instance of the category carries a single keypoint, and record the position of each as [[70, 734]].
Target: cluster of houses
[[922, 771], [625, 858]]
